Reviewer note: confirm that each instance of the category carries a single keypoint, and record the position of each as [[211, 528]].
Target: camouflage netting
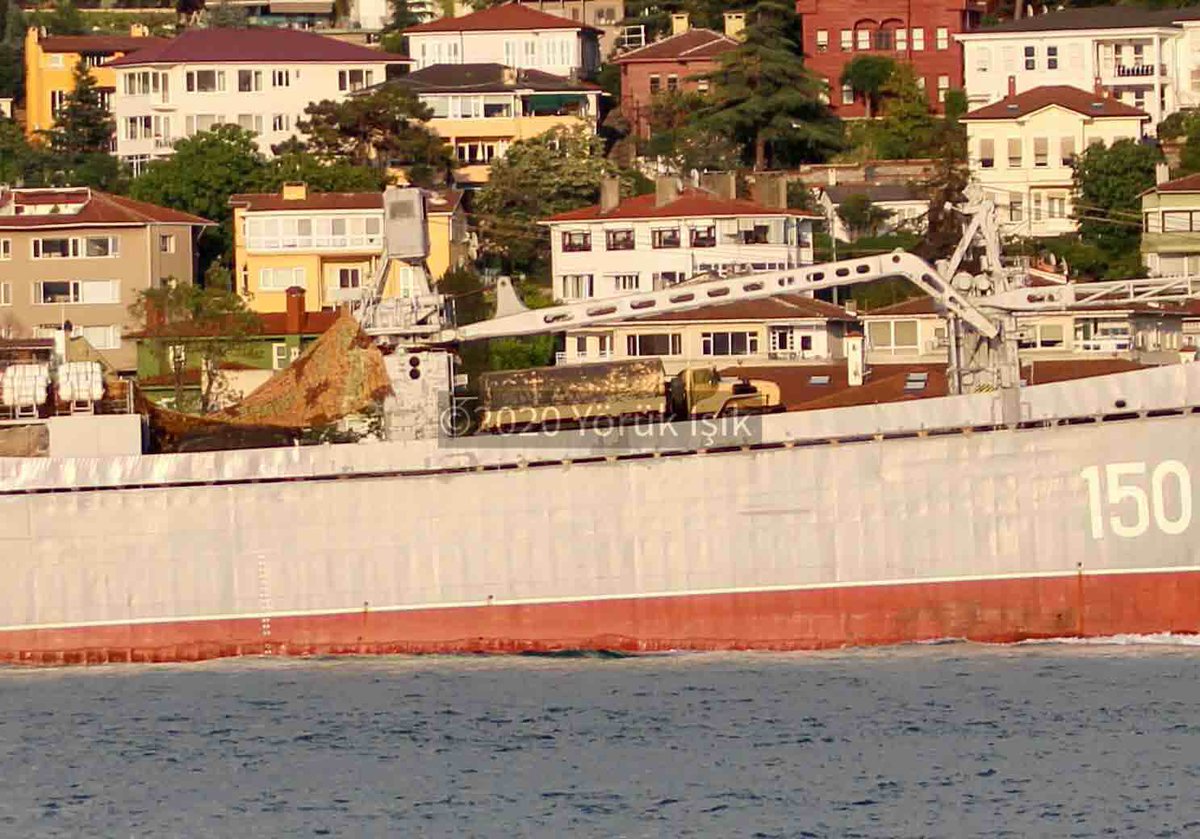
[[340, 374]]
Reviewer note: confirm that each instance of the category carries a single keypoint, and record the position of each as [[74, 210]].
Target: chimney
[[771, 191], [295, 310], [854, 360], [1012, 85], [610, 194], [666, 190], [139, 30], [680, 23], [1162, 173], [294, 191], [735, 25], [721, 184], [1099, 88]]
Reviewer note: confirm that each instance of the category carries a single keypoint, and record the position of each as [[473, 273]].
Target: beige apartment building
[[79, 256]]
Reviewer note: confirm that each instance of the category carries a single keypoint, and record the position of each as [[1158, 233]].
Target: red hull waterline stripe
[[994, 611]]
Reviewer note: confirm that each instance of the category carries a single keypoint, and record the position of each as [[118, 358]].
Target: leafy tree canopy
[[861, 216], [908, 127], [12, 48], [682, 143], [764, 95], [868, 76], [83, 125], [1109, 182]]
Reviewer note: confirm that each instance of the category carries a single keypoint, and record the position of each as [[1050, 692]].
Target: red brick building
[[919, 32], [669, 65]]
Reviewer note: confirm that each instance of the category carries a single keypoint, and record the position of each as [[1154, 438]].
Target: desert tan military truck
[[614, 391]]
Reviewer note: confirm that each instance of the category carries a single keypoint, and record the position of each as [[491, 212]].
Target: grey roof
[[876, 192], [486, 78], [1097, 17]]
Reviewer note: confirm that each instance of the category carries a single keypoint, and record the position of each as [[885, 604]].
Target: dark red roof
[[97, 44], [693, 45], [314, 201], [690, 203], [883, 383], [1035, 372], [1072, 98], [1190, 183], [505, 18], [101, 210], [255, 45], [313, 323], [779, 307]]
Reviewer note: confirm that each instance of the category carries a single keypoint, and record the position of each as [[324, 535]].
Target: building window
[[58, 98], [575, 241], [282, 355], [702, 85], [728, 343], [250, 122], [664, 237], [655, 84], [280, 279], [577, 286], [281, 78], [822, 40], [664, 279], [896, 337], [901, 40], [862, 39], [249, 81], [1051, 58], [1016, 208], [205, 81], [1056, 206], [918, 40], [74, 248], [943, 87], [5, 294], [672, 83], [987, 154], [626, 282], [704, 237], [1067, 151], [166, 243], [1176, 221], [654, 343], [281, 122], [349, 278], [1041, 152], [943, 38], [1030, 58], [5, 249], [137, 163], [1037, 206], [983, 60], [847, 94], [759, 234], [618, 240], [1042, 336], [1014, 153], [100, 337], [57, 292], [354, 79]]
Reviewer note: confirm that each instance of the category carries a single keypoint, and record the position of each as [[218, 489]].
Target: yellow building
[[330, 244], [50, 62], [449, 240], [481, 109]]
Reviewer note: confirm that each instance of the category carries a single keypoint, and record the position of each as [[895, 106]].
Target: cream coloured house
[[1022, 149], [260, 79]]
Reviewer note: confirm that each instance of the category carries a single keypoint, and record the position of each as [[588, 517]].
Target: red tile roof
[[255, 45], [1035, 372], [690, 203], [101, 210], [695, 44], [779, 307], [883, 383], [314, 201], [97, 44], [1190, 183], [509, 17], [1072, 98]]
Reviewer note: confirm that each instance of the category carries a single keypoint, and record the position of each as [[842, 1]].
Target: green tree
[[946, 186], [84, 125], [382, 128], [861, 216], [683, 144], [402, 17], [1109, 183], [17, 158], [12, 50], [188, 11], [763, 93], [554, 172], [64, 19], [191, 328], [867, 76], [908, 127], [338, 176], [226, 16], [199, 177]]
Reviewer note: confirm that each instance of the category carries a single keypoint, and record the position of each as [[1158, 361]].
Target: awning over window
[[553, 100]]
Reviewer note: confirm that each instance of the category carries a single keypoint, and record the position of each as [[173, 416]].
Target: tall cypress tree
[[763, 93], [84, 125]]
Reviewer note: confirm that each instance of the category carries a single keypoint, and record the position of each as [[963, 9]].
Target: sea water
[[946, 740]]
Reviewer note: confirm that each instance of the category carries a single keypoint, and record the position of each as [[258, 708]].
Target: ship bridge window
[[818, 380]]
